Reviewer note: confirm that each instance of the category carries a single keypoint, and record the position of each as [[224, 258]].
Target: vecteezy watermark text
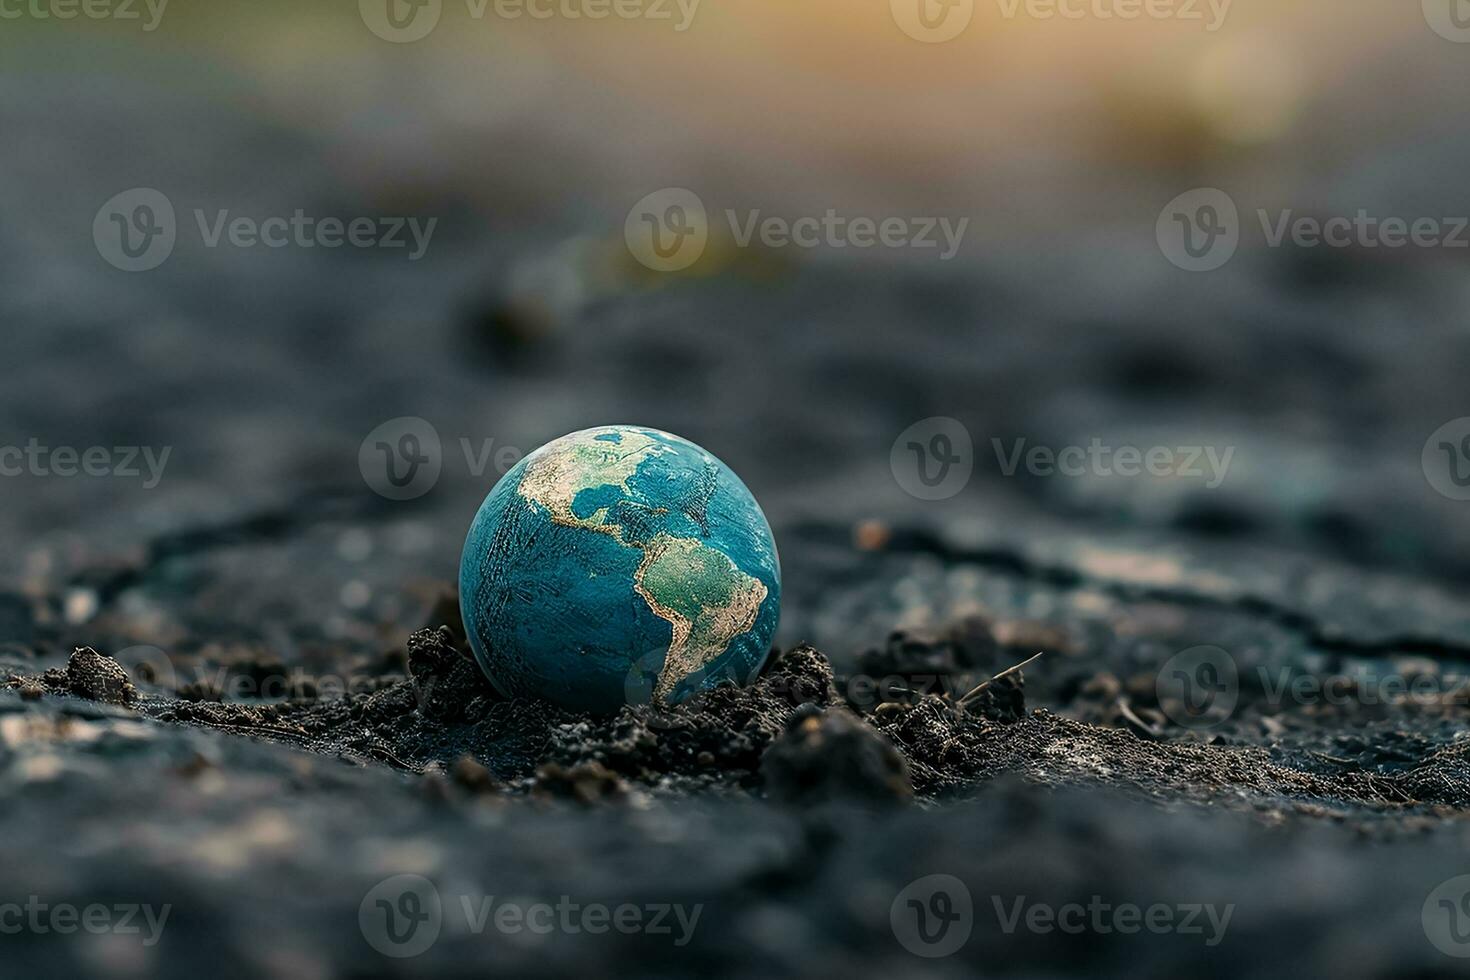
[[1200, 230], [668, 230], [1098, 459], [1200, 687], [570, 917], [933, 459], [837, 231], [406, 21], [936, 21], [403, 916], [679, 12], [934, 916], [35, 459], [137, 230], [1363, 230], [63, 918], [122, 10], [304, 231], [1203, 919], [1211, 13]]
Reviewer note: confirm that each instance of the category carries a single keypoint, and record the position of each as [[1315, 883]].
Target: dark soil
[[244, 692], [791, 736]]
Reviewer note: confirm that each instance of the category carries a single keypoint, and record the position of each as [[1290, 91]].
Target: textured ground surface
[[289, 719]]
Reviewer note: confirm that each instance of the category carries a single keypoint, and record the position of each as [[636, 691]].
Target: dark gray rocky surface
[[269, 722]]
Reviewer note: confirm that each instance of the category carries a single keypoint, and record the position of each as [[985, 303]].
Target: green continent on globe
[[705, 597], [556, 474], [685, 589]]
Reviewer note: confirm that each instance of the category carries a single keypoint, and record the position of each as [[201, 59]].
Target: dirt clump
[[587, 783], [88, 674], [833, 755]]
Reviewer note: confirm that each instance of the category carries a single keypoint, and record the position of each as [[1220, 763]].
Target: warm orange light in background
[[832, 100]]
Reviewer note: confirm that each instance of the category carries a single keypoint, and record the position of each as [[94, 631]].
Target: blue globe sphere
[[619, 565]]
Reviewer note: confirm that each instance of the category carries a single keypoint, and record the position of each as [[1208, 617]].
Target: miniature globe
[[619, 565]]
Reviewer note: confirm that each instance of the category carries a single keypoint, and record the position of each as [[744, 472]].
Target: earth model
[[619, 565]]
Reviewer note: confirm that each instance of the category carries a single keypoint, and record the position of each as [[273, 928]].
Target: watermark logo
[[932, 21], [1446, 459], [135, 230], [401, 21], [406, 21], [933, 458], [933, 916], [1450, 19], [402, 458], [1198, 687], [1446, 917], [667, 231], [1199, 230], [401, 917]]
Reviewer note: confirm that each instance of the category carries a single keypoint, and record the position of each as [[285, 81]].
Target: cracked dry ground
[[152, 771], [263, 798]]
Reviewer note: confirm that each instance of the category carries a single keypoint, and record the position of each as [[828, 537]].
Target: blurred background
[[1060, 318]]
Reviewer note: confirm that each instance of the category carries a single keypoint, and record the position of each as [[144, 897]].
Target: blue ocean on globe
[[619, 565]]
